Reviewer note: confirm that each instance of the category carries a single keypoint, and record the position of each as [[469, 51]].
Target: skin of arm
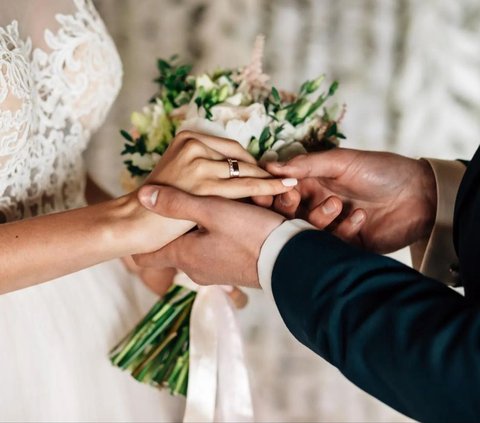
[[46, 247], [157, 280]]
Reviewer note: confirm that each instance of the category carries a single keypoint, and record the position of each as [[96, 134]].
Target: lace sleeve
[[56, 86], [16, 117], [15, 101]]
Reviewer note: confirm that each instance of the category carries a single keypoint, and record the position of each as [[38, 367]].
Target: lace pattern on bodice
[[51, 100]]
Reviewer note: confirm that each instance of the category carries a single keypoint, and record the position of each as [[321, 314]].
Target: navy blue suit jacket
[[406, 339]]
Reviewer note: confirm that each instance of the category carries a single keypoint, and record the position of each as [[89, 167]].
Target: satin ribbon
[[218, 384]]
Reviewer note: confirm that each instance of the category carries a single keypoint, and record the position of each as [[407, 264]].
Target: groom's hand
[[389, 200], [225, 248]]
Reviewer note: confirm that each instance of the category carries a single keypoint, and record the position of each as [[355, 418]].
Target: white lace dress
[[59, 74]]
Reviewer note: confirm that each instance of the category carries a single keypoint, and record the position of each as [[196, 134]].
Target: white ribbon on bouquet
[[218, 385]]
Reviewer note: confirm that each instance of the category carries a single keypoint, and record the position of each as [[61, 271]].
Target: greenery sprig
[[176, 86]]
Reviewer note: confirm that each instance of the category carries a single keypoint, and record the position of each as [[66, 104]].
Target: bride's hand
[[197, 164]]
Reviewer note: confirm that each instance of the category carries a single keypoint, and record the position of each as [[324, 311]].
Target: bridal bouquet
[[233, 103]]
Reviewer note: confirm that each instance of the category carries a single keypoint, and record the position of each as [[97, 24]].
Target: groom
[[400, 335]]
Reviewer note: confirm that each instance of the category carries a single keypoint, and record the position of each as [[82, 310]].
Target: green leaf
[[316, 105], [331, 131], [126, 135], [183, 70], [279, 129], [141, 144], [264, 136], [276, 95], [128, 149], [135, 170], [163, 65], [333, 88], [303, 89]]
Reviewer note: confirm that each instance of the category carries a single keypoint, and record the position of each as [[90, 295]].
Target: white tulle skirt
[[54, 344]]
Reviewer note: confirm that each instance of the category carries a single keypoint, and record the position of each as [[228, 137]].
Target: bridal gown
[[59, 74]]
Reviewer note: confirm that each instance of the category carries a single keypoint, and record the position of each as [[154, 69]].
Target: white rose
[[237, 123], [244, 130], [203, 126]]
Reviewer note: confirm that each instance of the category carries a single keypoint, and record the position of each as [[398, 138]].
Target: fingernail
[[357, 218], [153, 198], [148, 197], [329, 207], [289, 182], [278, 164]]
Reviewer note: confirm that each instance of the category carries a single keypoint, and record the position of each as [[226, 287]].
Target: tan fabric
[[435, 257]]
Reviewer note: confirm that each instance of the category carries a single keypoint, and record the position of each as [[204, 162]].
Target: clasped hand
[[378, 201]]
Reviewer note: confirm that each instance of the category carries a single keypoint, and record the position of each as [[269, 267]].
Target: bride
[[59, 74]]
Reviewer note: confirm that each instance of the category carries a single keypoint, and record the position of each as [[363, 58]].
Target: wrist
[[123, 216], [139, 229]]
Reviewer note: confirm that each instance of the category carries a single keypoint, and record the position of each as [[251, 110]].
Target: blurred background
[[410, 76]]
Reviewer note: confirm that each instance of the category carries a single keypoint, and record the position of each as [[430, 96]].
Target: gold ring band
[[233, 168]]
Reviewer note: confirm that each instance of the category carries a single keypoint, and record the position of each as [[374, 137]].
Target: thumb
[[327, 164], [173, 203]]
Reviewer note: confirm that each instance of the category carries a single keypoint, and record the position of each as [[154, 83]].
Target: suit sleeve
[[436, 257], [404, 338]]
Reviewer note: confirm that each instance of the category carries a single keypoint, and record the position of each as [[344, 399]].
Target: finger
[[238, 297], [158, 280], [229, 148], [349, 228], [129, 264], [193, 149], [328, 164], [247, 187], [287, 204], [220, 169], [183, 253], [324, 214], [176, 204], [263, 200], [171, 255]]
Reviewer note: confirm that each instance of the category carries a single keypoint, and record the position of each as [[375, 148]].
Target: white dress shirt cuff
[[271, 249], [435, 257]]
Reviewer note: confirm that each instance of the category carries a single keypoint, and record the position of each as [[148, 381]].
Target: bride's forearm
[[43, 248]]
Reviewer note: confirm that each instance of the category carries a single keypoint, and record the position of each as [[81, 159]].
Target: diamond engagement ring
[[233, 168]]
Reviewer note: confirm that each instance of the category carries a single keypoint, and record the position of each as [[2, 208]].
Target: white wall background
[[410, 75]]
